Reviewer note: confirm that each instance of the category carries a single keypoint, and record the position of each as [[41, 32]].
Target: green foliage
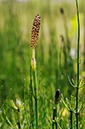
[[54, 65]]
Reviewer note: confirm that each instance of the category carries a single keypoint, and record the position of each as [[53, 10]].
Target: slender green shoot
[[77, 118], [36, 99], [54, 125], [71, 119]]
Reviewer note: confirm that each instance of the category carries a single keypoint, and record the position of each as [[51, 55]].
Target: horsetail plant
[[34, 39], [69, 107]]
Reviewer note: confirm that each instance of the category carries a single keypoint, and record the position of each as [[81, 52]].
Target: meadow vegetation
[[57, 63]]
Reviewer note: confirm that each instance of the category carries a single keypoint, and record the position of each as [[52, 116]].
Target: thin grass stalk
[[77, 118]]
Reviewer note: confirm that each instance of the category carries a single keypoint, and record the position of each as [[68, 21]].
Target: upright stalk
[[54, 125], [36, 102], [31, 100], [77, 65], [84, 42], [71, 117], [34, 39], [33, 64]]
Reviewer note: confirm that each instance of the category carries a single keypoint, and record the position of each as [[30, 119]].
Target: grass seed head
[[35, 31]]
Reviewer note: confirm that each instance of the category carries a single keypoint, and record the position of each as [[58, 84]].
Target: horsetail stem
[[77, 65], [31, 100], [54, 115], [34, 39]]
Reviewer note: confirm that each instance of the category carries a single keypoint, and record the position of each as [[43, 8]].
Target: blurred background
[[55, 51]]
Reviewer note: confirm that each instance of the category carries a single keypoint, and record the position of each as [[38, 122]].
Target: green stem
[[66, 34], [56, 116], [54, 125], [77, 65], [36, 99], [84, 43], [71, 115], [31, 99]]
